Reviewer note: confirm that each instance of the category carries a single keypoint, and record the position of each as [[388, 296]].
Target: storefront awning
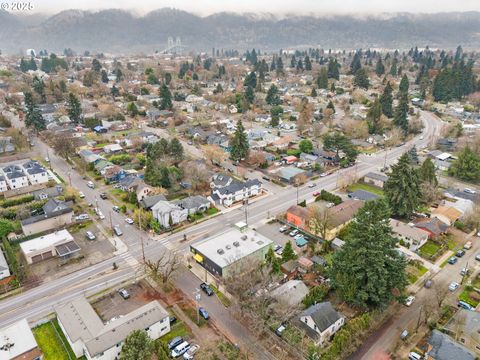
[[198, 258]]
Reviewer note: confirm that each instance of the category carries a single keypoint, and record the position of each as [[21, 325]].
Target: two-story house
[[236, 191], [320, 322], [412, 236], [15, 177], [35, 172], [56, 214], [168, 214]]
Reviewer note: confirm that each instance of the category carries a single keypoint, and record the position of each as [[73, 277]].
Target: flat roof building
[[59, 243], [224, 254], [17, 342]]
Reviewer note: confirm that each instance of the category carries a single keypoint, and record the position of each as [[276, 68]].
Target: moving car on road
[[469, 191], [81, 194], [453, 286], [90, 184], [409, 301], [103, 196], [116, 209], [312, 185], [117, 230]]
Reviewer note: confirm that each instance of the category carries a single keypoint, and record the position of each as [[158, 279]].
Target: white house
[[236, 191], [15, 177], [168, 214], [413, 237], [36, 173], [90, 337], [320, 322], [4, 270], [3, 184]]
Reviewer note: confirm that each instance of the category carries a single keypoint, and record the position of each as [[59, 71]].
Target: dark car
[[116, 209], [452, 260], [172, 319], [103, 196], [460, 253], [203, 313], [266, 178], [207, 289], [428, 283], [175, 342]]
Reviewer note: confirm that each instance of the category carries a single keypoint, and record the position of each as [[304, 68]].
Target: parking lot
[[272, 232]]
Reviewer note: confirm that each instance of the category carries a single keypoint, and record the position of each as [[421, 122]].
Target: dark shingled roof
[[237, 186], [445, 348]]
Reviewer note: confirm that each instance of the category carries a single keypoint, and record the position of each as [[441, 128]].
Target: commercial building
[[90, 337], [18, 343], [59, 243], [230, 252]]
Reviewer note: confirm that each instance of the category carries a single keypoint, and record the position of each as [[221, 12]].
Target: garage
[[40, 257]]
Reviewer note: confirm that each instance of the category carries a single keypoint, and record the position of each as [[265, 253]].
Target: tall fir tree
[[361, 79], [239, 143], [166, 98], [322, 79], [373, 117], [426, 173], [74, 108], [400, 117], [380, 68], [402, 189], [404, 85], [467, 166], [33, 117], [386, 99]]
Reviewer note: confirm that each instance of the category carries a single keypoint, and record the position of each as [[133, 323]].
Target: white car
[[464, 271], [90, 184], [129, 221], [409, 301], [312, 185], [47, 159], [191, 352], [283, 228], [293, 232], [81, 194], [453, 286], [99, 213], [469, 191], [82, 217]]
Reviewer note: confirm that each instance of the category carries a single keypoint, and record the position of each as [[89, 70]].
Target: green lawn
[[52, 342], [191, 312], [429, 249], [469, 296], [415, 272], [366, 187], [177, 329]]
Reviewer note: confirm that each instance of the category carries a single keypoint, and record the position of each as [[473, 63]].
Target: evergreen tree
[[426, 173], [314, 92], [272, 96], [322, 79], [333, 69], [74, 108], [96, 66], [249, 95], [32, 65], [115, 92], [331, 106], [165, 177], [239, 143], [356, 64], [275, 112], [306, 146], [368, 270], [413, 155], [308, 63], [402, 189], [104, 77], [288, 253], [293, 62], [279, 65], [24, 67], [299, 65], [33, 117], [393, 68], [380, 68], [404, 84], [251, 80], [386, 100], [166, 98], [373, 117], [332, 87], [467, 166], [400, 117], [137, 346], [361, 79], [175, 150]]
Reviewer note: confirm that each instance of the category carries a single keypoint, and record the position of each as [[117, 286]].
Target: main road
[[35, 303]]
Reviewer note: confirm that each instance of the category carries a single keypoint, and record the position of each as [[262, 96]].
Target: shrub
[[327, 196], [16, 201]]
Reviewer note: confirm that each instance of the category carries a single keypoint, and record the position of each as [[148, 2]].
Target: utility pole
[[385, 161], [111, 223], [49, 162], [197, 299], [141, 237], [245, 207]]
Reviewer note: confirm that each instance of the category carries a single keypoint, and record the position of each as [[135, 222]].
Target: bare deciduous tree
[[162, 269]]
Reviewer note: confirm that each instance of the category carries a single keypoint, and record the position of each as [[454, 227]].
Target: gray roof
[[323, 314], [192, 202], [49, 192], [377, 176], [51, 209], [116, 331], [445, 348], [291, 293], [363, 195], [149, 201], [221, 180], [238, 185]]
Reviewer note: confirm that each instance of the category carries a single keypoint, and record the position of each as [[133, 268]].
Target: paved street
[[38, 302]]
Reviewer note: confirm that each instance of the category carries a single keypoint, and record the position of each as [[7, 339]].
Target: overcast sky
[[206, 7]]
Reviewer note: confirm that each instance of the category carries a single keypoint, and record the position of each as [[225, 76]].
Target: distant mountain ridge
[[118, 31]]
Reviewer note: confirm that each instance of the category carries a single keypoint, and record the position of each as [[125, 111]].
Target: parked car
[[82, 217], [175, 342], [116, 209], [468, 245], [179, 350], [469, 191], [452, 260], [129, 221], [460, 253], [81, 194], [464, 271], [124, 293], [283, 228], [280, 330], [206, 289], [191, 352], [90, 235], [278, 250], [453, 286], [203, 313], [316, 193], [117, 230], [90, 184], [409, 301], [477, 257], [293, 232], [414, 356], [172, 320], [465, 305], [404, 335], [47, 159], [103, 196], [428, 284], [266, 178], [312, 185]]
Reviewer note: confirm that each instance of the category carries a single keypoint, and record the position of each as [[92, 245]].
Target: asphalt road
[[38, 302]]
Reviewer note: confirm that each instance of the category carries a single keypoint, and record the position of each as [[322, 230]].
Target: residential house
[[113, 174], [89, 156], [341, 215], [4, 270], [320, 322], [48, 193], [15, 177], [6, 145], [18, 343], [443, 347], [413, 237], [337, 244], [220, 181], [193, 204], [290, 174], [447, 214], [149, 201], [56, 214], [433, 226], [88, 336], [442, 165], [297, 215], [112, 148], [290, 293], [59, 243], [101, 164], [142, 190], [465, 327], [35, 172], [363, 195], [236, 191], [375, 179], [3, 184], [168, 214]]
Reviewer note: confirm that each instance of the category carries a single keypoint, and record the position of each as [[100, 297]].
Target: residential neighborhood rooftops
[[344, 212], [363, 195], [17, 342], [291, 293], [377, 176], [444, 347]]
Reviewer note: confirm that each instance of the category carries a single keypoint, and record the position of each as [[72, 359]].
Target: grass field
[[429, 249], [366, 187], [52, 342]]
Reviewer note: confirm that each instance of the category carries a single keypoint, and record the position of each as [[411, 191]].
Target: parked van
[[465, 305], [180, 349], [414, 356], [91, 185]]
